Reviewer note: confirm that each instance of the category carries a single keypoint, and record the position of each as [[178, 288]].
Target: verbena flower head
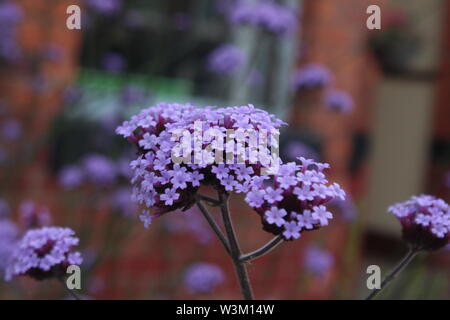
[[44, 253], [318, 261], [311, 76], [425, 220], [268, 15], [226, 59], [339, 101], [294, 200], [203, 277], [162, 185]]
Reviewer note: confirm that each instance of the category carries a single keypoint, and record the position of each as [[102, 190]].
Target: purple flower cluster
[[295, 200], [106, 7], [311, 76], [164, 186], [203, 277], [44, 253], [318, 261], [226, 59], [339, 101], [10, 16], [425, 220], [268, 15]]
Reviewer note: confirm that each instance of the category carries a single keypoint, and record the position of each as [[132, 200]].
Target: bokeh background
[[63, 92]]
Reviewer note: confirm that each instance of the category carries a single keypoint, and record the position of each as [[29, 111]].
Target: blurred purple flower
[[311, 76], [71, 177], [339, 101], [44, 253], [268, 15], [54, 52], [132, 95], [106, 7], [99, 170], [10, 13], [113, 62], [8, 238], [11, 129], [123, 203], [346, 208], [191, 221], [226, 59], [203, 277], [318, 261], [10, 16], [33, 215]]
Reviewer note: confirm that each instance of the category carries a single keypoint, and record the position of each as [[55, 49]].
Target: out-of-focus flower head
[[161, 184], [339, 101], [54, 52], [311, 76], [71, 177], [105, 7], [268, 15], [346, 208], [32, 215], [113, 62], [44, 253], [226, 59], [11, 129], [99, 170], [132, 95], [8, 239], [10, 15], [191, 221], [123, 203], [295, 199], [203, 277], [425, 220], [318, 261]]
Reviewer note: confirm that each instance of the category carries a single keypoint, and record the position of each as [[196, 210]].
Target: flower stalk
[[395, 272]]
